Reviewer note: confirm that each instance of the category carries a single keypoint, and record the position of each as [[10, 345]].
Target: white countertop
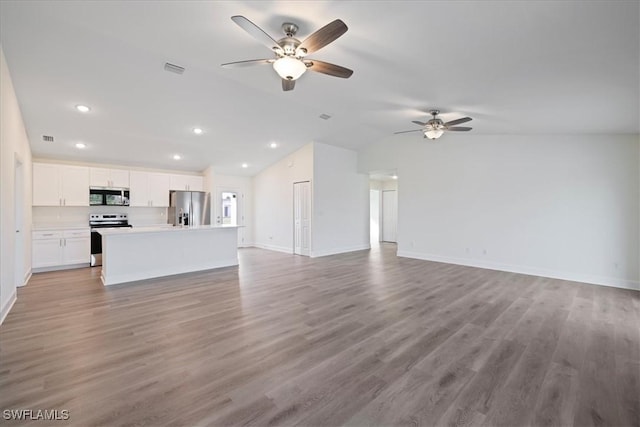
[[160, 229]]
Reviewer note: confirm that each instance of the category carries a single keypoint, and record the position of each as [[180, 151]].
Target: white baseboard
[[274, 248], [335, 251], [614, 282], [60, 267], [27, 276], [8, 306]]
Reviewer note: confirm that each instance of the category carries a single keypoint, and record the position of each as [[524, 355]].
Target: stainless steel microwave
[[109, 196]]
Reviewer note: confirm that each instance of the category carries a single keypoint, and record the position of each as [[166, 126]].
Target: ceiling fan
[[290, 60], [434, 128]]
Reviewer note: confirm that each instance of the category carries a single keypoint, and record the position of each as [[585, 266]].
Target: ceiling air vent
[[325, 116], [47, 138], [173, 68]]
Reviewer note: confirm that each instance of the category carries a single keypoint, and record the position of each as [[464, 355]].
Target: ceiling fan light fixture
[[433, 133], [289, 68]]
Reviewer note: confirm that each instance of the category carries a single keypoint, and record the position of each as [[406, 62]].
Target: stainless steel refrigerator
[[189, 208]]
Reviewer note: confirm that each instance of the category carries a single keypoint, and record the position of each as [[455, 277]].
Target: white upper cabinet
[[186, 183], [138, 189], [158, 189], [149, 189], [67, 185], [46, 185], [102, 177], [60, 185]]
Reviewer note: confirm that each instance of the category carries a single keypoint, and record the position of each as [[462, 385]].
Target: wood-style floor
[[359, 339]]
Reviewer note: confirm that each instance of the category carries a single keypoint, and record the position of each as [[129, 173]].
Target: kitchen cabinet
[[149, 189], [186, 183], [60, 248], [114, 178], [60, 185]]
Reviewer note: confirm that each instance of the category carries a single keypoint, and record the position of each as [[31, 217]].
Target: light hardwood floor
[[358, 339]]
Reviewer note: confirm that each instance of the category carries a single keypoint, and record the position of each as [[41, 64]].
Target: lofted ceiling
[[518, 67]]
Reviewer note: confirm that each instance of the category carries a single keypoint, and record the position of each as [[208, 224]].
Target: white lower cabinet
[[59, 248]]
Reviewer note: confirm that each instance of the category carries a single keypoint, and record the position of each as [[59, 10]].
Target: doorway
[[228, 210], [18, 203], [302, 218]]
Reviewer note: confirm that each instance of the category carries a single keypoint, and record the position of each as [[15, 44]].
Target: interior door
[[389, 216], [229, 209], [302, 218], [19, 253]]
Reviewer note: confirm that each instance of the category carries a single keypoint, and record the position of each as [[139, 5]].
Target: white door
[[389, 215], [229, 210], [302, 218], [19, 254]]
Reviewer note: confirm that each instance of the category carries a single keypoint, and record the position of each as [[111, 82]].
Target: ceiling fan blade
[[288, 84], [418, 123], [458, 121], [323, 36], [242, 64], [407, 131], [327, 68], [460, 129], [257, 33]]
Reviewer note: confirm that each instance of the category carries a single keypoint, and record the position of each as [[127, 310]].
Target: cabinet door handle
[[64, 202], [60, 242], [48, 234], [65, 242]]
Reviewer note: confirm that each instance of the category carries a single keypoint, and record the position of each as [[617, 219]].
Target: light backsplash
[[56, 216]]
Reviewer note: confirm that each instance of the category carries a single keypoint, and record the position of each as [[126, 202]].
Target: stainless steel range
[[102, 221]]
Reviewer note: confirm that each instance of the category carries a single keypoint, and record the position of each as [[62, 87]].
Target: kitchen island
[[130, 254]]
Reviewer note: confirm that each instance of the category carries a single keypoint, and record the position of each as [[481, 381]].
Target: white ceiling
[[528, 67]]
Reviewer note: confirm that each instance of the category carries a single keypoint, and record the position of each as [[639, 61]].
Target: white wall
[[273, 199], [340, 202], [557, 206], [14, 144]]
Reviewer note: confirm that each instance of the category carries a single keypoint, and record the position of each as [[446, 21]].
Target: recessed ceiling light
[[273, 145], [83, 108], [177, 157], [394, 176], [80, 145], [244, 165], [197, 131]]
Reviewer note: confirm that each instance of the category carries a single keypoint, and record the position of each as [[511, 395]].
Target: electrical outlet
[[484, 252]]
